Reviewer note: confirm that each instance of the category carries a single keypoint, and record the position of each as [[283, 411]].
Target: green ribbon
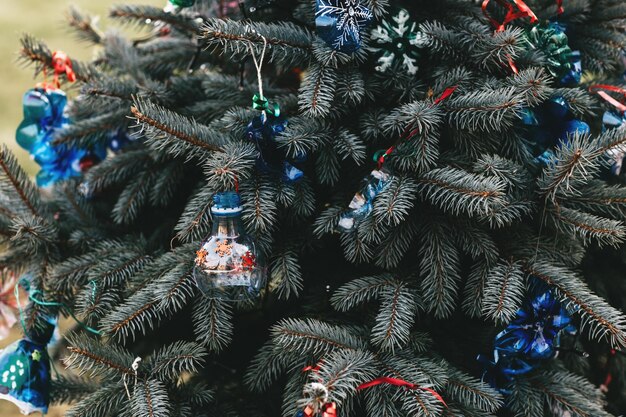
[[263, 104], [553, 43]]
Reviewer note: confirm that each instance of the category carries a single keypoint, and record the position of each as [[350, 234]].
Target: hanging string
[[32, 296], [135, 368], [259, 101]]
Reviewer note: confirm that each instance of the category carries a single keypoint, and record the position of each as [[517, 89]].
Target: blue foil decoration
[[612, 120], [362, 203], [262, 131], [532, 337], [25, 371], [340, 23], [550, 125], [43, 116]]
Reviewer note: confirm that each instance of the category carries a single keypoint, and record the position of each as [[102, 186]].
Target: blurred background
[[43, 19]]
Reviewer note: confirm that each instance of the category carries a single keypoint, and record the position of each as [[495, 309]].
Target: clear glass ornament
[[228, 265]]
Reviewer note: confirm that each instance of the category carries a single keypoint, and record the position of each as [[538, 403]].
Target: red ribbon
[[315, 368], [559, 7], [599, 89], [522, 11], [408, 134], [328, 410], [62, 64], [401, 383]]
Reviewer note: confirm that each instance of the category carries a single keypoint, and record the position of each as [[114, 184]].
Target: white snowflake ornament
[[341, 22], [397, 43]]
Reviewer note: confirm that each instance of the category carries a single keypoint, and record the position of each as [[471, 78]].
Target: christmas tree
[[325, 208]]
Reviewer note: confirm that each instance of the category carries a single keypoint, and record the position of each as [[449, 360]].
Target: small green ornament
[[182, 3], [36, 355]]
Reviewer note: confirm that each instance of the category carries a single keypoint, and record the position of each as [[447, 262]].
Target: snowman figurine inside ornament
[[228, 265]]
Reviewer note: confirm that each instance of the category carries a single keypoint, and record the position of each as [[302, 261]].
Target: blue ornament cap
[[227, 203], [25, 376], [340, 23]]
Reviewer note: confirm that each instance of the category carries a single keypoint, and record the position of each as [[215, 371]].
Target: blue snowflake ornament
[[341, 22], [396, 43]]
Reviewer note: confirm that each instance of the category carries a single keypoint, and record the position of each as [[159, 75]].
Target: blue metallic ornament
[[550, 126], [262, 131], [43, 116], [534, 332], [532, 337], [25, 371], [340, 23]]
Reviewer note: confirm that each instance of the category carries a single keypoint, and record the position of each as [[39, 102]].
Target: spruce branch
[[504, 291], [108, 400], [268, 364], [141, 15], [35, 52], [175, 359], [286, 275], [395, 243], [317, 91], [472, 392], [393, 204], [573, 164], [395, 319], [486, 109], [85, 26], [287, 43], [457, 191], [311, 336], [174, 133], [212, 320], [343, 371], [22, 194], [195, 220], [589, 227], [439, 267], [88, 355], [150, 399], [362, 290]]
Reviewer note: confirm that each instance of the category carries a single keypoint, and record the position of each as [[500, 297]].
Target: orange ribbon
[[601, 90]]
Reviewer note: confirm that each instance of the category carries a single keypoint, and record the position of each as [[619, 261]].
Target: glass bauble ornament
[[228, 265]]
